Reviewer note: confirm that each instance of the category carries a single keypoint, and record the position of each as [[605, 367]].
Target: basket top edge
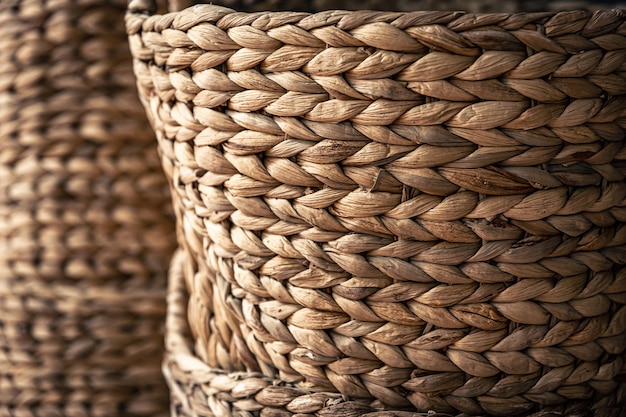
[[226, 18]]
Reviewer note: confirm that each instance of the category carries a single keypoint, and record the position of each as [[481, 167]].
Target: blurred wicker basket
[[85, 221], [406, 212]]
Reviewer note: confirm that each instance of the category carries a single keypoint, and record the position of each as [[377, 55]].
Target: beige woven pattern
[[198, 389], [243, 392], [420, 211], [85, 224]]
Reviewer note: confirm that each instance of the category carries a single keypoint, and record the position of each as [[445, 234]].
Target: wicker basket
[[86, 225], [387, 213]]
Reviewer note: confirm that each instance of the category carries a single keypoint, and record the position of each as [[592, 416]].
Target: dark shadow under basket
[[392, 213]]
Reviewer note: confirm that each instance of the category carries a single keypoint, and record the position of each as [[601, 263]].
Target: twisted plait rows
[[421, 211], [85, 223], [213, 392], [469, 65]]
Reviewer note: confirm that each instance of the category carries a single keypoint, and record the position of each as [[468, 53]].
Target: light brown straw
[[85, 224], [198, 389], [420, 211]]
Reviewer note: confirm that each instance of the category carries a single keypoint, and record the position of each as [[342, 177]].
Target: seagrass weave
[[85, 224], [198, 389], [419, 211]]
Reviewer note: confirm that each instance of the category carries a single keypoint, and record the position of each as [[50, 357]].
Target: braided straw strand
[[420, 211]]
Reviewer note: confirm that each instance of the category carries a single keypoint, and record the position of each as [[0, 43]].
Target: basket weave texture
[[86, 226], [418, 211]]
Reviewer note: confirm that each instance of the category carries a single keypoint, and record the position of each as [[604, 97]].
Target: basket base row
[[198, 390]]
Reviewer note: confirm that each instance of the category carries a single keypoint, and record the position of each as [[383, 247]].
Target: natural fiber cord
[[388, 213], [85, 223], [198, 389]]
